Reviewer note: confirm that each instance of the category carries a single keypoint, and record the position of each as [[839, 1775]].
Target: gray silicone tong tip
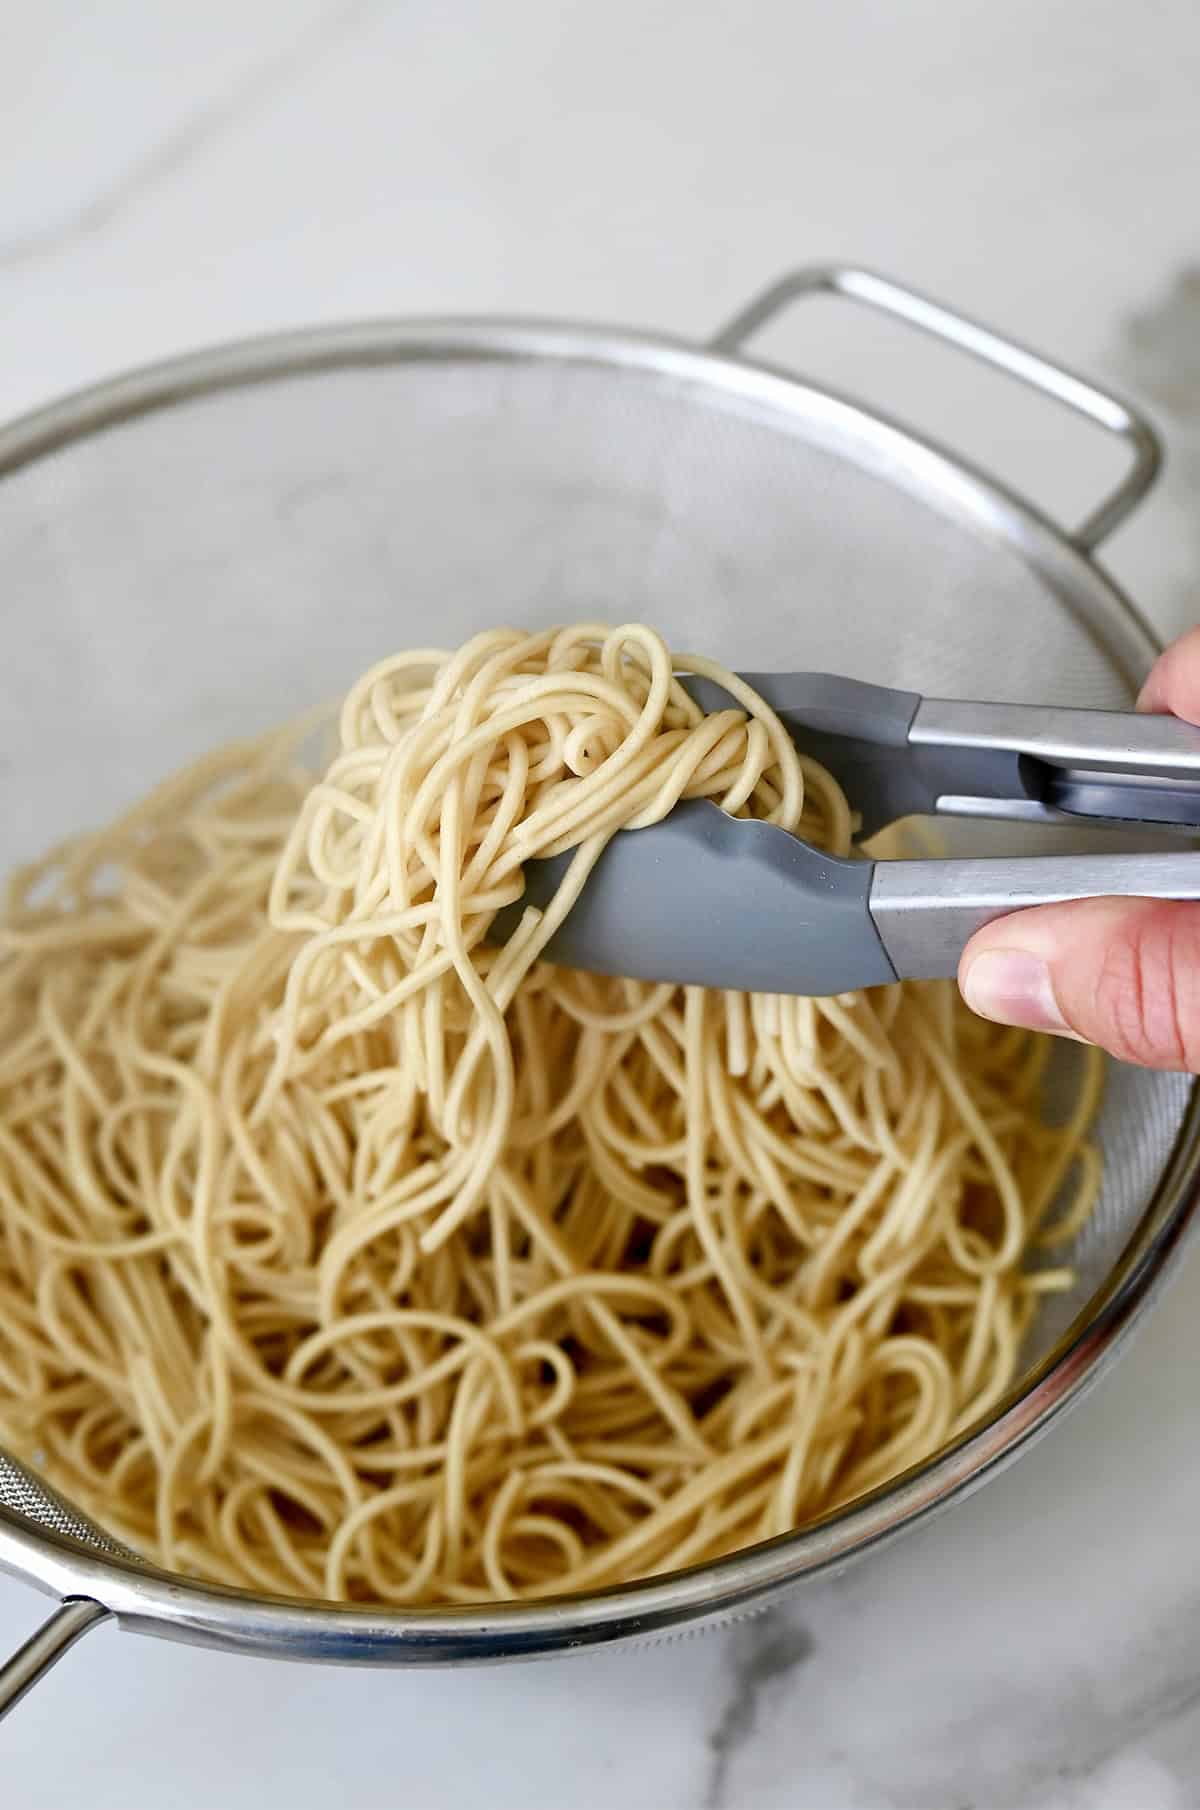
[[706, 899]]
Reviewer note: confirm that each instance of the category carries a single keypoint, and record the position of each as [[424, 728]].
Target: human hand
[[1121, 973]]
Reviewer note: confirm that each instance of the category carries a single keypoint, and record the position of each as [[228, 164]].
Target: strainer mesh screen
[[207, 569], [25, 1495]]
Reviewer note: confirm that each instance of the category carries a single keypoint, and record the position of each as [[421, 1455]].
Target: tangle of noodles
[[344, 1255]]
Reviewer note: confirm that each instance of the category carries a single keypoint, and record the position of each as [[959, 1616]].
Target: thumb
[[1122, 973]]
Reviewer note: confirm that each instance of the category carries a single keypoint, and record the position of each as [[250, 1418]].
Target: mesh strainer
[[172, 545]]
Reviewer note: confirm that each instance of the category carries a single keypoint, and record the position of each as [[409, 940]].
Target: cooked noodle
[[344, 1255]]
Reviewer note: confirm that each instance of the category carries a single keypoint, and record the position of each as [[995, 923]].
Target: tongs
[[706, 899]]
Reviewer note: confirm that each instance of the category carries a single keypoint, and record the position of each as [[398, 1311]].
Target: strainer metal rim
[[151, 1601], [721, 366]]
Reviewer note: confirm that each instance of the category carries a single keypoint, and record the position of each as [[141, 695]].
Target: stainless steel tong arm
[[897, 754], [925, 912]]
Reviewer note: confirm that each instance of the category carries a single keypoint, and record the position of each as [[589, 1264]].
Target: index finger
[[1173, 686]]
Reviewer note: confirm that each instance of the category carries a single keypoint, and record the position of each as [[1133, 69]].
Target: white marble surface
[[171, 175]]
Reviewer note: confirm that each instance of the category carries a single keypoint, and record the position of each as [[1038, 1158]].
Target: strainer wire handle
[[1075, 392], [57, 1635]]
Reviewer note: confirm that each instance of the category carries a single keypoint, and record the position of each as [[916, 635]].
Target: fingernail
[[1013, 987]]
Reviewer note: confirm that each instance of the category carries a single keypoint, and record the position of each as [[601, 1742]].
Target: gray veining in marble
[[763, 1654], [189, 139]]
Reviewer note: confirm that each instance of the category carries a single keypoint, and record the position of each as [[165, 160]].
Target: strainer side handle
[[1077, 393], [30, 1507], [71, 1620]]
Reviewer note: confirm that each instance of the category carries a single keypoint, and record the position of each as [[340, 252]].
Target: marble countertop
[[174, 175]]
